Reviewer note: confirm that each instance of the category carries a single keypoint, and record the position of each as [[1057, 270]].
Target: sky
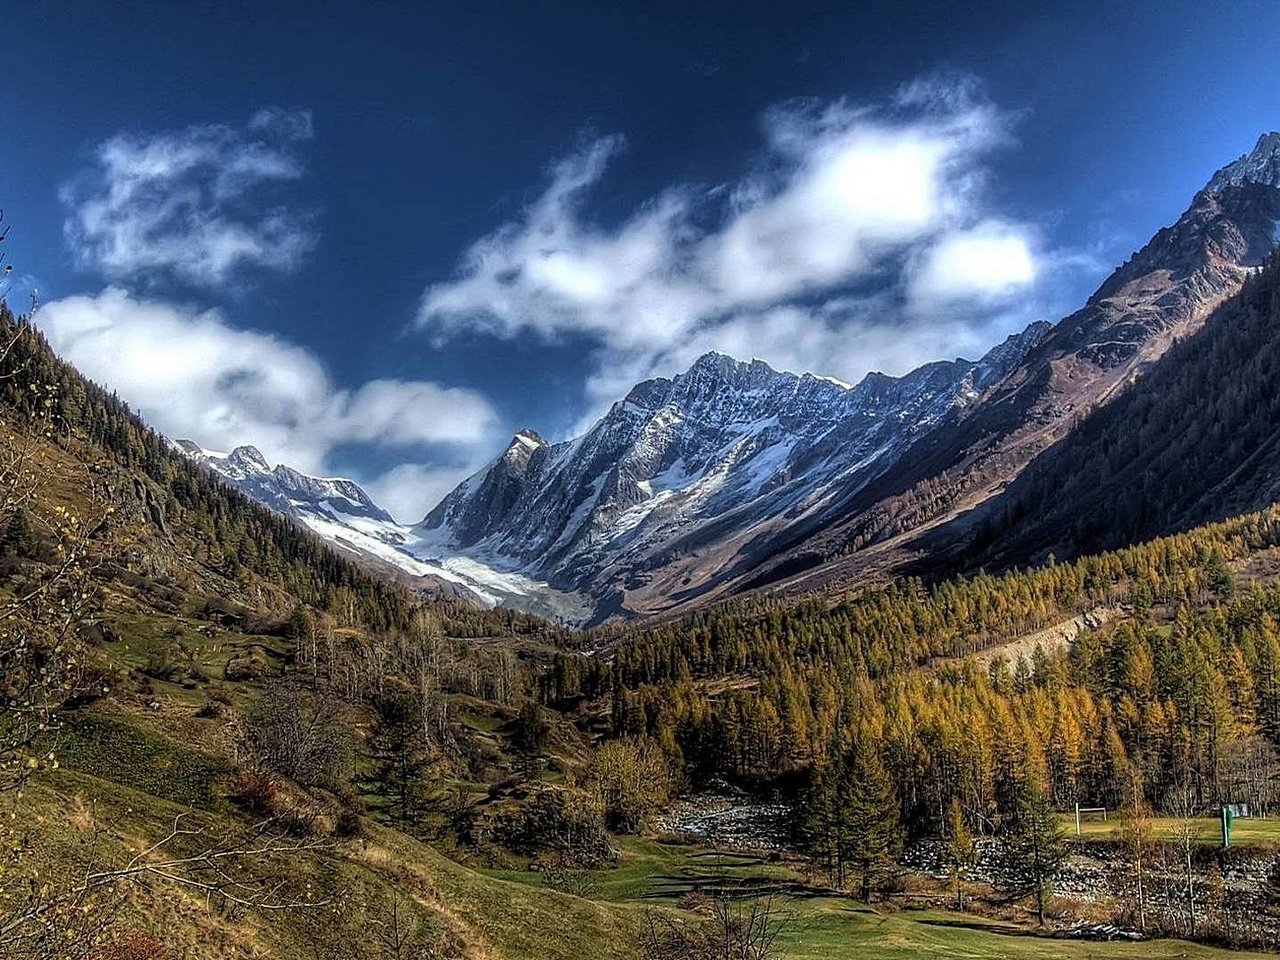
[[375, 240]]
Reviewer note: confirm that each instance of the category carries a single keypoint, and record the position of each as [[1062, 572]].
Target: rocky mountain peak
[[285, 489], [1260, 165], [249, 458], [524, 444]]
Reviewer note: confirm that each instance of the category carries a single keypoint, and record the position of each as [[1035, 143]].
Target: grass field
[[839, 930], [652, 875], [1245, 831]]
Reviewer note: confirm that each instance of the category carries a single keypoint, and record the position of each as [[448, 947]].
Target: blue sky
[[376, 242]]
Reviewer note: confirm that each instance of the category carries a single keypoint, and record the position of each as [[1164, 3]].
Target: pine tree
[[870, 830], [19, 538], [1036, 843], [402, 761]]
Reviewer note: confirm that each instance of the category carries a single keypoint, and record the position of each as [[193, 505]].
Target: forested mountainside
[[1156, 666], [214, 730], [223, 538], [1194, 439], [733, 476], [1163, 293]]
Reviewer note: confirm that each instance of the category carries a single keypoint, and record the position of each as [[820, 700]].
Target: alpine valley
[[979, 662]]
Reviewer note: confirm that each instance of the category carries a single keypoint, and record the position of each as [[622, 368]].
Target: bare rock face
[[152, 507]]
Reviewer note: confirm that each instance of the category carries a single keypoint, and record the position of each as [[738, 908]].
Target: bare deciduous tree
[[749, 928]]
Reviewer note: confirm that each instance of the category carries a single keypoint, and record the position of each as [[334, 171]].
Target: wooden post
[[1077, 819]]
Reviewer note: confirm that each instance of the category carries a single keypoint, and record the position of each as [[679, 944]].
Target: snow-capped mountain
[[291, 492], [334, 507], [340, 511], [718, 454], [733, 474]]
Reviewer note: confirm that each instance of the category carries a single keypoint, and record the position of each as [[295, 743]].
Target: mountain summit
[[713, 459], [1261, 165], [286, 490]]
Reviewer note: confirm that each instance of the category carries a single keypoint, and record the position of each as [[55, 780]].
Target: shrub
[[558, 822], [254, 789], [209, 710], [350, 821], [251, 664], [302, 736], [133, 945]]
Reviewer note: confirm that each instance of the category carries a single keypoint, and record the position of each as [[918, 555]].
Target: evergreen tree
[[529, 736], [873, 830], [1036, 843], [853, 817], [19, 537], [402, 760]]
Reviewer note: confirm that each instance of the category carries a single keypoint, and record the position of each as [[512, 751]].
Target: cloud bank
[[194, 205], [192, 375], [845, 198]]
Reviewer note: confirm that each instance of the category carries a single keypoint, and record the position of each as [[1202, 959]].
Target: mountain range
[[734, 476]]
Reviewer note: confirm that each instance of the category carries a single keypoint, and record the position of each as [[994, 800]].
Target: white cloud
[[409, 490], [888, 197], [987, 262], [191, 204], [192, 375]]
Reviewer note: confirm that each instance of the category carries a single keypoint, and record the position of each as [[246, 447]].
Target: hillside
[[1194, 439], [176, 608]]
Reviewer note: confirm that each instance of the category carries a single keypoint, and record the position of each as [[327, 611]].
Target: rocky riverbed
[[725, 817]]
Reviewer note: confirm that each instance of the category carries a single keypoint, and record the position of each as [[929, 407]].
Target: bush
[[161, 667], [351, 821], [133, 945], [209, 710], [254, 789], [251, 664], [746, 929], [302, 736], [558, 822], [564, 877]]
